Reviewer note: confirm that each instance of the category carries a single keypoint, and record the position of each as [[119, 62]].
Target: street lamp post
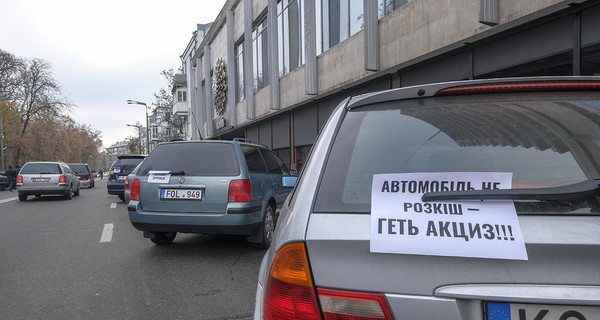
[[139, 127], [147, 126]]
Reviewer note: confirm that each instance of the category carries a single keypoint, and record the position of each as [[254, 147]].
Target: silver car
[[47, 178], [465, 200]]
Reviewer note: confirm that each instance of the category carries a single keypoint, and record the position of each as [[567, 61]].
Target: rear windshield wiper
[[177, 173], [580, 190]]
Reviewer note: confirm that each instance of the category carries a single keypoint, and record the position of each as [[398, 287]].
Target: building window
[[340, 20], [290, 32], [181, 96], [260, 65], [387, 6], [590, 60], [239, 71]]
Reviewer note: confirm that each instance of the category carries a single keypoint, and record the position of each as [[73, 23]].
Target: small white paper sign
[[159, 177], [402, 223]]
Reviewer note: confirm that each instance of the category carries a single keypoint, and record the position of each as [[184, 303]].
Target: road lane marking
[[107, 233], [113, 205], [8, 199]]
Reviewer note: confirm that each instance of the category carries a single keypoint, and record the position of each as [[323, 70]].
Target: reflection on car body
[[543, 132]]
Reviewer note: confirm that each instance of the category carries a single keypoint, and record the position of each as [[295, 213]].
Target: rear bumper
[[43, 191], [206, 223], [246, 230], [85, 183], [116, 188]]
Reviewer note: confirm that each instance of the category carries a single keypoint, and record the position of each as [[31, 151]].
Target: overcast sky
[[103, 53]]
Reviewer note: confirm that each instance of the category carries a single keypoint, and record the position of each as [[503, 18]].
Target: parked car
[[211, 187], [459, 200], [83, 171], [120, 168], [3, 180], [47, 178]]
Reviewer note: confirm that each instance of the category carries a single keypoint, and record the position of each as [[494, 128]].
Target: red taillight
[[348, 305], [240, 191], [20, 179], [135, 190], [62, 179], [127, 182], [289, 293], [521, 86]]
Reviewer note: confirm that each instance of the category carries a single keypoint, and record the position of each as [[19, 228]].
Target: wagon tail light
[[240, 191], [127, 182], [575, 85], [135, 190], [20, 179], [62, 179], [290, 293]]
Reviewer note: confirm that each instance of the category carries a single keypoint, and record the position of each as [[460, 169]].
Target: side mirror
[[289, 181]]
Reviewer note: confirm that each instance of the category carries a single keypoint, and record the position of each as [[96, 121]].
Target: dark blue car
[[118, 172]]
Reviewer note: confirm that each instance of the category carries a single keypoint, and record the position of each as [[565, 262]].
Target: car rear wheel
[[22, 197], [161, 238], [76, 192], [122, 197], [69, 194], [267, 228]]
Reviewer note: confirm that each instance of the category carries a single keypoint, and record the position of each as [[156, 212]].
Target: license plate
[[40, 179], [187, 194], [122, 177], [514, 311]]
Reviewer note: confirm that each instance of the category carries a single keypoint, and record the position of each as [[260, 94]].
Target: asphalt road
[[82, 259]]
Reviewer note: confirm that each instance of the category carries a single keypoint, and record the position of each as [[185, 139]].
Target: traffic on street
[[82, 259]]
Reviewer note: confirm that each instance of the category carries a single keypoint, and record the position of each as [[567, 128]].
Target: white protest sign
[[402, 223], [159, 176]]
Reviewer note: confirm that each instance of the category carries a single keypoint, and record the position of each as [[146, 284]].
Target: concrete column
[[200, 102], [371, 35], [208, 97], [273, 55], [248, 60], [311, 85], [231, 85], [489, 12]]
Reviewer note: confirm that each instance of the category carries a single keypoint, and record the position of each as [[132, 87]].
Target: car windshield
[[543, 139], [41, 168], [197, 159]]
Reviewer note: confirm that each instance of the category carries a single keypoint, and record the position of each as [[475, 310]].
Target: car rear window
[[543, 139], [199, 159], [41, 168], [79, 168], [126, 165]]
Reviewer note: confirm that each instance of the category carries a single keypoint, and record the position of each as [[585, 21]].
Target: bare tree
[[39, 93], [35, 116], [9, 66]]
